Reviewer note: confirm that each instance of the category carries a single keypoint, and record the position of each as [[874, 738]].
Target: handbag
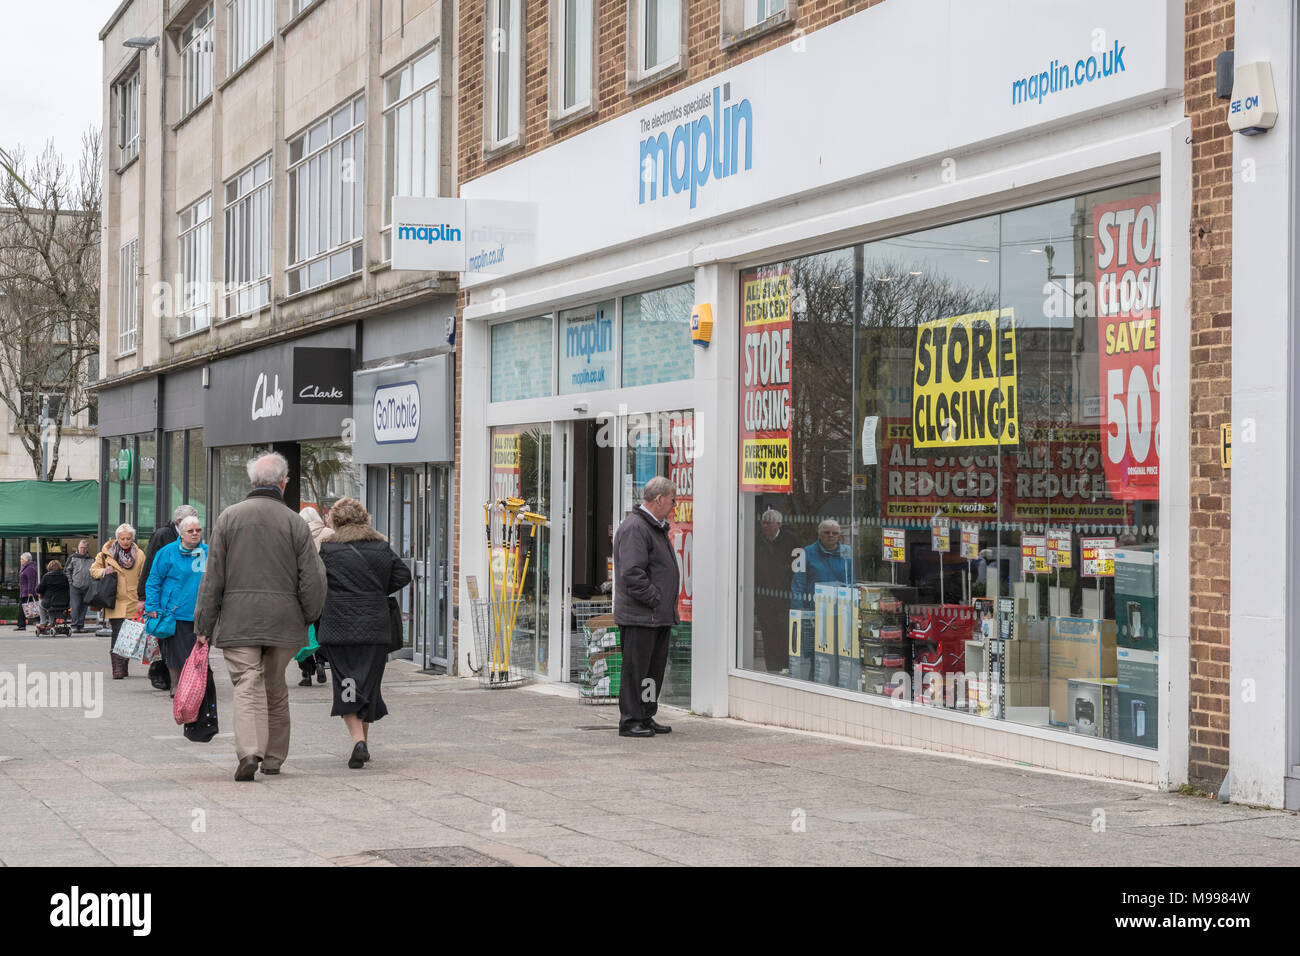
[[130, 641], [32, 609], [102, 592], [396, 639], [164, 625], [191, 687]]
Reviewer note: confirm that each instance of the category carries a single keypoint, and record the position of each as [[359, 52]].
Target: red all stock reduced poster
[[1127, 252]]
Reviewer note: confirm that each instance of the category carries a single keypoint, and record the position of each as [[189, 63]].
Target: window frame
[[389, 116], [354, 138], [246, 206], [493, 145], [560, 114], [735, 31], [126, 105], [128, 297], [196, 82], [639, 77], [194, 307], [237, 19]]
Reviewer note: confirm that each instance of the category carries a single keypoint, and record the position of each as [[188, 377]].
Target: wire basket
[[493, 644], [602, 671]]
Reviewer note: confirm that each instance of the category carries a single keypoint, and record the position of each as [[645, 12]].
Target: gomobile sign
[[397, 413], [964, 381]]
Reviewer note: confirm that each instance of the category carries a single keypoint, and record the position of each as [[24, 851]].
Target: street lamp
[[142, 43]]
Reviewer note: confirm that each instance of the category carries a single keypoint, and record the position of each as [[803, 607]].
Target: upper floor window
[[248, 239], [194, 230], [126, 100], [128, 296], [298, 6], [326, 209], [411, 121], [249, 25], [660, 33], [504, 52], [658, 47], [756, 11], [573, 29], [196, 61]]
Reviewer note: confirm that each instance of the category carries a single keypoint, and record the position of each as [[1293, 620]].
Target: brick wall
[[1209, 32], [705, 59]]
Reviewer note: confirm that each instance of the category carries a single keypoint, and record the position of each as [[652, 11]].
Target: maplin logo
[[429, 234], [716, 142]]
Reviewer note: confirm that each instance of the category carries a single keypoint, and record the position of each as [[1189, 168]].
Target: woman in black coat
[[361, 570]]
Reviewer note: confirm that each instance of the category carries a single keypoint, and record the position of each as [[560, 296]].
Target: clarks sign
[[322, 376]]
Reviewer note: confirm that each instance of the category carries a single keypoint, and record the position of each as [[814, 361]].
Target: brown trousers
[[261, 701]]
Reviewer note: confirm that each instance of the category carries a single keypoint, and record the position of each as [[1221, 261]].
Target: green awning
[[48, 509]]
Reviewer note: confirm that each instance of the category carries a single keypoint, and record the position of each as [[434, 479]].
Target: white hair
[[26, 556], [771, 514], [309, 514], [657, 486], [267, 471], [190, 519], [124, 527], [181, 512], [828, 523]]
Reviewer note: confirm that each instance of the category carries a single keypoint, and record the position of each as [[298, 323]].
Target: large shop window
[[522, 354], [128, 469], [186, 478], [949, 466], [657, 336]]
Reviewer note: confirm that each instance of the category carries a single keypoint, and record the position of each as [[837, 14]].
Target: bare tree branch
[[49, 291]]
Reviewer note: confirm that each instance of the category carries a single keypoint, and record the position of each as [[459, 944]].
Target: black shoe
[[247, 768], [659, 728], [305, 682], [320, 674], [360, 754], [636, 730], [268, 770]]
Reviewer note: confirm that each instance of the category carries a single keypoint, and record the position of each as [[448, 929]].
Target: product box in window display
[[1137, 672], [1094, 707], [1080, 649], [1136, 605]]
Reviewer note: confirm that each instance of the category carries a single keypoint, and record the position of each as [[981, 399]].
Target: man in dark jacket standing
[[79, 563], [646, 584], [263, 583]]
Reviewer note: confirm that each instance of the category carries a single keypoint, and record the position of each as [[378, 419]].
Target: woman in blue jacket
[[171, 592]]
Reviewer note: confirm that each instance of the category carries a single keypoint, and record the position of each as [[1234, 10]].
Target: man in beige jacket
[[263, 583]]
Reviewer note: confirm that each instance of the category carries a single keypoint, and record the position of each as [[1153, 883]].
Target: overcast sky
[[50, 72]]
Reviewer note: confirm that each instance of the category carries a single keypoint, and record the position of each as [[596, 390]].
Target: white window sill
[[639, 81], [246, 65], [776, 21]]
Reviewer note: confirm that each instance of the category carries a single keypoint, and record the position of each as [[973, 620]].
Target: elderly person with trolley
[[646, 584], [263, 583], [121, 557]]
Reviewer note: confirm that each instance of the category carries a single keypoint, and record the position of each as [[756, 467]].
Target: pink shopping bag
[[191, 687]]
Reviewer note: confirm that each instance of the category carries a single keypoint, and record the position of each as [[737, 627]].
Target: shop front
[[937, 438], [403, 440], [586, 404], [128, 457], [294, 398]]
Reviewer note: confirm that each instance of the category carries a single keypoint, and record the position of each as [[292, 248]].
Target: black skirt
[[176, 649], [358, 672]]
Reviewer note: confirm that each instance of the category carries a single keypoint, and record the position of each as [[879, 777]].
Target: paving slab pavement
[[531, 776]]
